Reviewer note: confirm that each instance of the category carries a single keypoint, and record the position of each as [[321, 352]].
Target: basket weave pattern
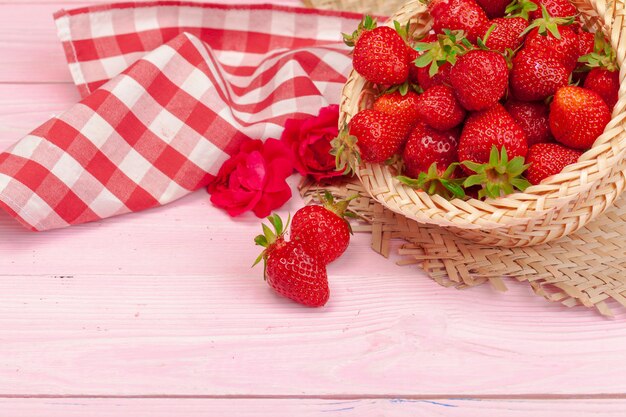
[[559, 206]]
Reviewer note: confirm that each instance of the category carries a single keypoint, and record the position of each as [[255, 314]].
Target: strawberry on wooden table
[[479, 79], [547, 159], [289, 269], [488, 128], [380, 54], [439, 108], [427, 146], [323, 230], [402, 106], [578, 116], [532, 117]]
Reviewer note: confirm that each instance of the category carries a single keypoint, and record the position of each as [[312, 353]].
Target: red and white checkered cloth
[[155, 126]]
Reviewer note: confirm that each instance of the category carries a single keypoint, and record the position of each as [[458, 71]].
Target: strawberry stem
[[368, 23], [346, 152], [498, 177], [549, 24], [269, 236], [434, 182], [603, 55]]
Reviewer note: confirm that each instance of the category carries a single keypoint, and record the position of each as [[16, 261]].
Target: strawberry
[[432, 63], [372, 136], [605, 83], [551, 35], [494, 8], [322, 230], [413, 69], [578, 116], [380, 54], [465, 15], [402, 106], [556, 8], [427, 146], [586, 42], [506, 33], [439, 108], [535, 76], [532, 117], [479, 79], [585, 47], [290, 270], [548, 159], [603, 77], [486, 129]]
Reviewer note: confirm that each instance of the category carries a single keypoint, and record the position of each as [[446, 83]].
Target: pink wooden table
[[159, 314]]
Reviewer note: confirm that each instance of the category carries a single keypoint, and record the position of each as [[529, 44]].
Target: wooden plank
[[386, 331], [311, 407]]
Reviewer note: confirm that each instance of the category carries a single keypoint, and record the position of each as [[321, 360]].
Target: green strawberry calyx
[[603, 55], [339, 208], [368, 23], [498, 177], [270, 237], [435, 182], [521, 8], [446, 49], [346, 152], [548, 24]]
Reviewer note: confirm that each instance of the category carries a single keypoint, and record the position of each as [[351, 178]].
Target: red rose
[[254, 179], [309, 140]]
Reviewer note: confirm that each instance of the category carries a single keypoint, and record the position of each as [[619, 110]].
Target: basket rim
[[555, 193]]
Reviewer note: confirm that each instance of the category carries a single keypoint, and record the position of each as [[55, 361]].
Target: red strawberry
[[506, 34], [413, 69], [603, 77], [442, 77], [322, 230], [578, 116], [426, 146], [488, 128], [290, 270], [402, 106], [535, 77], [439, 108], [532, 117], [465, 15], [479, 79], [586, 41], [433, 47], [605, 83], [548, 159], [373, 136], [585, 46], [380, 54], [494, 8], [556, 8], [563, 48]]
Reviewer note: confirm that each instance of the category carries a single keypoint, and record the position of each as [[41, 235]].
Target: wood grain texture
[[311, 408], [164, 303]]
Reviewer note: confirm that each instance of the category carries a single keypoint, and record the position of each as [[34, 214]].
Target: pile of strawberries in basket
[[497, 97]]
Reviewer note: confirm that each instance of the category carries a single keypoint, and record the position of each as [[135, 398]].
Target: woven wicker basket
[[559, 206]]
